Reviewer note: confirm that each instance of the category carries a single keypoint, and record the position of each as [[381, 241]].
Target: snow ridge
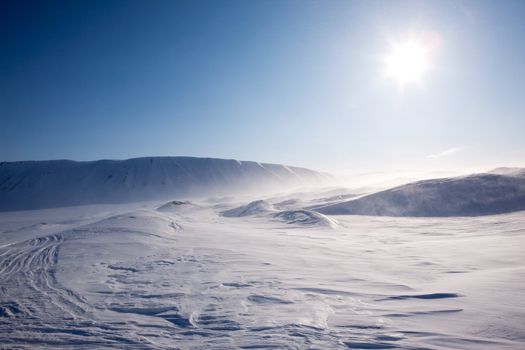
[[44, 184], [474, 195]]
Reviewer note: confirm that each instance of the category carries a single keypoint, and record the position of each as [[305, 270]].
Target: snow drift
[[253, 208], [305, 218], [480, 194], [175, 206], [44, 184], [130, 276]]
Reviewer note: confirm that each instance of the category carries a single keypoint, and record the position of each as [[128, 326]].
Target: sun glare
[[408, 61]]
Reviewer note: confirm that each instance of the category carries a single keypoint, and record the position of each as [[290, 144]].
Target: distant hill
[[508, 171], [55, 183], [500, 191]]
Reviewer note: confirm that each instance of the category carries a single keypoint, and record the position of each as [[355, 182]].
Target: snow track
[[27, 270], [193, 279], [38, 312]]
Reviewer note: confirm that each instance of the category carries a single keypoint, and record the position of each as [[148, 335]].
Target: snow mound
[[288, 204], [305, 217], [174, 206], [253, 208], [139, 221], [474, 195]]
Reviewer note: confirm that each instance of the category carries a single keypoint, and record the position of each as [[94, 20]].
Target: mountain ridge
[[55, 183], [470, 195]]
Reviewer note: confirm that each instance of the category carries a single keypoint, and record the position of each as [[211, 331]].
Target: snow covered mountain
[[479, 194], [55, 183]]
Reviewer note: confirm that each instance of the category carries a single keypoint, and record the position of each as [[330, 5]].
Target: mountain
[[508, 171], [479, 194], [56, 183]]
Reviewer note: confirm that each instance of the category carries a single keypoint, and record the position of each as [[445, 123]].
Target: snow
[[305, 217], [59, 183], [257, 207], [134, 276], [175, 206], [480, 194], [508, 171], [248, 271]]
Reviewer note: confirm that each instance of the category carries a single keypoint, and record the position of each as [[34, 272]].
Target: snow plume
[[445, 153]]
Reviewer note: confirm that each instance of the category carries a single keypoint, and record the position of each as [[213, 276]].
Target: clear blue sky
[[294, 82]]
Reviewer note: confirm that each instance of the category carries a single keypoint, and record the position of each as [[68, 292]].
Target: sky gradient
[[293, 82]]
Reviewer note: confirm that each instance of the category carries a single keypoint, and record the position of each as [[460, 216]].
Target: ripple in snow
[[305, 217], [253, 208]]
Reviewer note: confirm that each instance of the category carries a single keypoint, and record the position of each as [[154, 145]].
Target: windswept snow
[[45, 184], [270, 272], [134, 277], [257, 207], [294, 215], [508, 171], [305, 217], [481, 194], [175, 206]]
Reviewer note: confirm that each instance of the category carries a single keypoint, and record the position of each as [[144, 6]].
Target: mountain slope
[[480, 194], [55, 183]]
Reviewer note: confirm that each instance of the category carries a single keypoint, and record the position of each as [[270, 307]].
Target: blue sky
[[294, 82]]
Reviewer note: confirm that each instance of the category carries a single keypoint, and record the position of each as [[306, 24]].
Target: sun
[[409, 61]]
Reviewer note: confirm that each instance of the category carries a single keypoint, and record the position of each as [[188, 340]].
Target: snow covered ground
[[279, 276], [500, 191]]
